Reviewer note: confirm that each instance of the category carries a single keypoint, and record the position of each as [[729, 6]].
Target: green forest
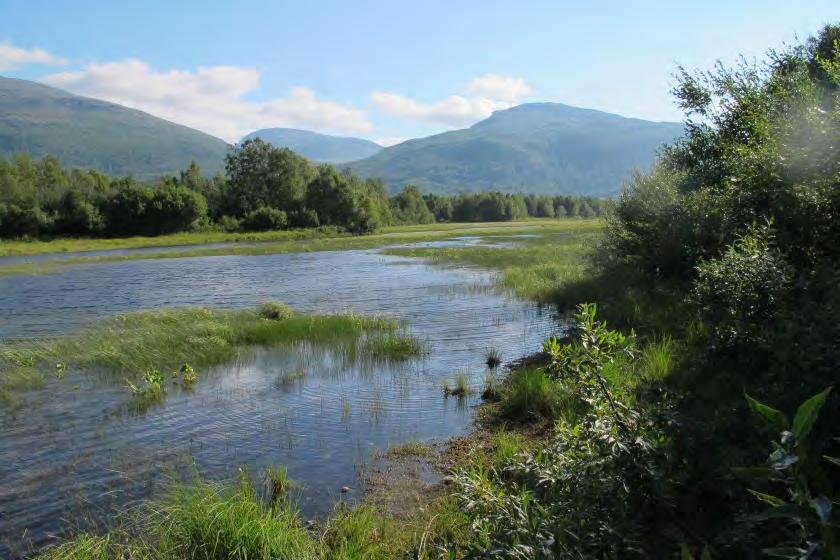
[[263, 188]]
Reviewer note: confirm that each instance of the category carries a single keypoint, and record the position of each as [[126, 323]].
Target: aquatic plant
[[275, 311], [165, 340], [460, 389], [188, 375], [395, 347], [152, 389], [278, 483], [493, 357]]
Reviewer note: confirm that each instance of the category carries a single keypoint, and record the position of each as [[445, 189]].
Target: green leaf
[[832, 460], [767, 498], [775, 417], [807, 415], [785, 552], [706, 555], [755, 473]]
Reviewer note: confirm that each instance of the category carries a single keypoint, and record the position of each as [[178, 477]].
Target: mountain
[[85, 132], [322, 148], [534, 147]]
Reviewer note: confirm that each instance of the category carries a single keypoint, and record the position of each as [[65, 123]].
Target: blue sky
[[384, 70]]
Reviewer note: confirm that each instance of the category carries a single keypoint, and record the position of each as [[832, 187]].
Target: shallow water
[[76, 452]]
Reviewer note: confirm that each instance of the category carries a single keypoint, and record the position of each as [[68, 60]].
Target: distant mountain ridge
[[322, 148], [534, 147], [85, 132]]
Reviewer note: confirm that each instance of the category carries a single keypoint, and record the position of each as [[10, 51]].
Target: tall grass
[[460, 388], [128, 345], [218, 521], [207, 521], [535, 268], [529, 393], [393, 346]]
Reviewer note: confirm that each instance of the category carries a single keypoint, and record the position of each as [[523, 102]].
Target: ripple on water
[[80, 454]]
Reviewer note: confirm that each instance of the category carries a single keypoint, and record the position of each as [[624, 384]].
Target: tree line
[[263, 188]]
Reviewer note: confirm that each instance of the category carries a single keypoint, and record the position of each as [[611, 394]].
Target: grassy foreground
[[267, 243], [128, 345]]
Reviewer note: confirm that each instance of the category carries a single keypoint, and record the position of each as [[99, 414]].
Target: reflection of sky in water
[[78, 451]]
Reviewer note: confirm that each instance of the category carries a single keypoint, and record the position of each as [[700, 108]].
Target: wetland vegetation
[[687, 408], [144, 344]]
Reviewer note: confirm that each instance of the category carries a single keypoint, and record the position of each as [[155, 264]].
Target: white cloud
[[211, 99], [12, 57], [496, 86], [485, 94], [391, 140]]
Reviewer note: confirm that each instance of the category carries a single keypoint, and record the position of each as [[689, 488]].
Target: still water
[[76, 452]]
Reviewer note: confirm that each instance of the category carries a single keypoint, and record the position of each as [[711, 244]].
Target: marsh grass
[[529, 393], [212, 521], [505, 446], [460, 388], [493, 358], [127, 345], [393, 346], [278, 485], [275, 311], [270, 243], [536, 268], [223, 521]]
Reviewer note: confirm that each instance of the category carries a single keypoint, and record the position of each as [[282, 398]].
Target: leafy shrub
[[17, 221], [265, 219], [229, 224], [739, 293], [595, 488], [797, 474]]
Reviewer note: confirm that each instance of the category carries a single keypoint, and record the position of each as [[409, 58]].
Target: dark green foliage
[[149, 211], [266, 188], [259, 175], [264, 219], [409, 207], [741, 292], [40, 120], [740, 217], [534, 147], [796, 487]]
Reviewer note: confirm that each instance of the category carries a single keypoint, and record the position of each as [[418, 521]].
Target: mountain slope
[[85, 132], [318, 147], [535, 147]]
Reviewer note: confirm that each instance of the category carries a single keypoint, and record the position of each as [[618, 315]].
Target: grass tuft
[[393, 346], [275, 311], [460, 389], [530, 393]]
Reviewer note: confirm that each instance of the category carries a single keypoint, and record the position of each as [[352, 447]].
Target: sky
[[384, 70]]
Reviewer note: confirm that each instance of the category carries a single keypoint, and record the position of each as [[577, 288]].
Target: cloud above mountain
[[484, 94], [212, 99]]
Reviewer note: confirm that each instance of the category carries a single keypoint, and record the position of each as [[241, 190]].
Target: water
[[76, 453]]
